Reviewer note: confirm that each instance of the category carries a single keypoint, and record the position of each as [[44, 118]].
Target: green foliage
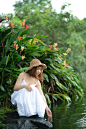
[[60, 80], [63, 28]]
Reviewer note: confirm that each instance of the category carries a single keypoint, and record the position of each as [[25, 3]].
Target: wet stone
[[13, 121]]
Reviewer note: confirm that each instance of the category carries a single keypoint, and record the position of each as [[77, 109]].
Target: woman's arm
[[49, 113], [18, 82]]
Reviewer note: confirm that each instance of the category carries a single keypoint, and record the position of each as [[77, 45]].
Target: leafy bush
[[17, 49]]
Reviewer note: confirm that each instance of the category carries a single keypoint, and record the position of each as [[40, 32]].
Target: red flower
[[23, 23], [56, 49], [14, 45], [19, 38], [12, 26], [27, 41], [9, 23], [80, 49], [50, 47], [65, 54], [26, 27], [82, 44]]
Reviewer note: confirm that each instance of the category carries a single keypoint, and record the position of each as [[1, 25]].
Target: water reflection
[[71, 116]]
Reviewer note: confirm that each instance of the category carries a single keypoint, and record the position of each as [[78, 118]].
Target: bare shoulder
[[38, 83], [21, 76]]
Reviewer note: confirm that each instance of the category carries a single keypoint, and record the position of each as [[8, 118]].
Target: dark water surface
[[70, 116]]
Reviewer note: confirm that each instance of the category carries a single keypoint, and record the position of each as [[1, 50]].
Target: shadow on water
[[71, 116]]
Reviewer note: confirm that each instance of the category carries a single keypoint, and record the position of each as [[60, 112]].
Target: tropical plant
[[18, 48]]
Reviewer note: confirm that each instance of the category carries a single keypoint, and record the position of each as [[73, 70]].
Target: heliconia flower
[[6, 19], [19, 38], [23, 57], [82, 44], [68, 50], [27, 41], [80, 49], [15, 42], [23, 23], [56, 49], [16, 47], [35, 40], [55, 44], [9, 23], [12, 26], [26, 27], [22, 48], [65, 54], [50, 47], [64, 63]]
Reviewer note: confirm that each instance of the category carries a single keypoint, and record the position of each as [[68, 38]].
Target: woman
[[28, 94]]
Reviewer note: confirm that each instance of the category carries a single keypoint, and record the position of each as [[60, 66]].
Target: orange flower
[[26, 27], [55, 44], [64, 63], [14, 42], [23, 57], [68, 50], [22, 48], [6, 19], [50, 47], [56, 49], [19, 38], [16, 47], [23, 23], [12, 26], [80, 49], [27, 41], [65, 54], [82, 44], [9, 23], [35, 40]]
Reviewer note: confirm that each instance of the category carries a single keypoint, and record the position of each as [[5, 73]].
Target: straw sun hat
[[35, 63]]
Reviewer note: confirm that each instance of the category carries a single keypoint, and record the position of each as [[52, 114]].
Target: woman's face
[[39, 70]]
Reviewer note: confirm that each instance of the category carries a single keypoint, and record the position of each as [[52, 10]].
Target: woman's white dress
[[28, 102]]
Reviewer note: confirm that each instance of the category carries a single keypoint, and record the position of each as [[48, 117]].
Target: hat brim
[[43, 65]]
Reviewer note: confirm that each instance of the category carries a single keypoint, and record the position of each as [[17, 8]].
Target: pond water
[[70, 116]]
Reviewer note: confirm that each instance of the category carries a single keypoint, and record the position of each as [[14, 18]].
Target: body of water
[[70, 116]]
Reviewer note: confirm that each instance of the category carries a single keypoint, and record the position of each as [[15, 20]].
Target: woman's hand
[[48, 111], [29, 88]]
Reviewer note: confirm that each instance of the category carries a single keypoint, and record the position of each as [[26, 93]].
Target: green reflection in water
[[70, 116]]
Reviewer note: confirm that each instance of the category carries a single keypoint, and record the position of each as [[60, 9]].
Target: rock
[[13, 121]]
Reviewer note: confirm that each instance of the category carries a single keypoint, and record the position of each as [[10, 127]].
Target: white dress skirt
[[28, 102]]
